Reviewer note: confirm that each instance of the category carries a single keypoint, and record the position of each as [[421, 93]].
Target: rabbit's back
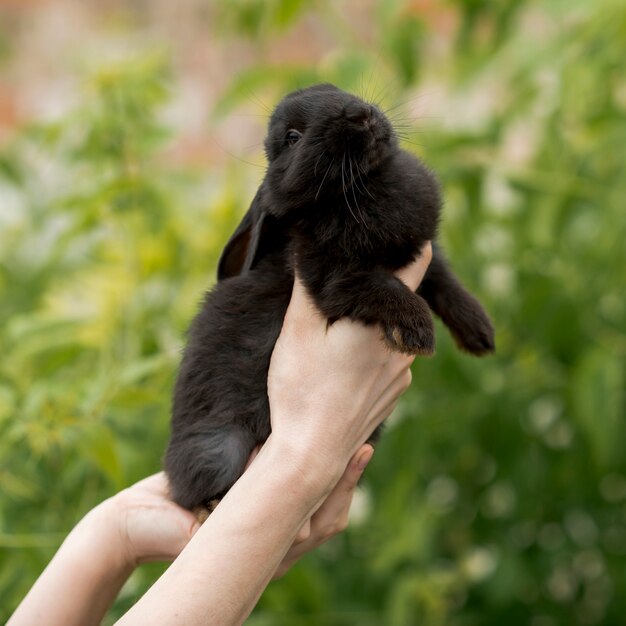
[[220, 408]]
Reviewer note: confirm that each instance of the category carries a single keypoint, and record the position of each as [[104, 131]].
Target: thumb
[[413, 274], [301, 307]]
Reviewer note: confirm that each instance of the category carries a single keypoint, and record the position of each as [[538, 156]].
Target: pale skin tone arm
[[329, 388], [142, 524]]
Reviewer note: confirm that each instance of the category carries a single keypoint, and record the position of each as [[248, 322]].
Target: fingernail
[[364, 459]]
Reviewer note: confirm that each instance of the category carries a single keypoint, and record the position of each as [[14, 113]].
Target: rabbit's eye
[[293, 136]]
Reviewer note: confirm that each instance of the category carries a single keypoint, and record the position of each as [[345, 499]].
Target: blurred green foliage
[[498, 494]]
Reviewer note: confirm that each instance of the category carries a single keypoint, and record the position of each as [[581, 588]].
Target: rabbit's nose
[[359, 113]]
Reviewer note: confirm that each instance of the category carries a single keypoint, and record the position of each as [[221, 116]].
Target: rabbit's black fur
[[346, 206]]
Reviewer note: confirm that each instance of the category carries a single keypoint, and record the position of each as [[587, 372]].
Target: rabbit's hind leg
[[203, 465]]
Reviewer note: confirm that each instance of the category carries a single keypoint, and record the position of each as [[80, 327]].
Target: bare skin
[[329, 388]]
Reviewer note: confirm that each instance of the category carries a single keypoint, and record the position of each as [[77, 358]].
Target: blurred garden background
[[130, 145]]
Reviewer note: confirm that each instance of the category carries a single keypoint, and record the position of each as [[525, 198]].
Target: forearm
[[220, 575], [81, 581]]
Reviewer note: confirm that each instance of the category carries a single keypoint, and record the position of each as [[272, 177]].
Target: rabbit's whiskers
[[324, 178], [343, 186], [319, 158], [353, 185], [362, 188], [365, 189]]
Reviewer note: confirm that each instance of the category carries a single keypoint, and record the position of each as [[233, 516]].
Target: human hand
[[148, 525], [330, 387], [332, 516]]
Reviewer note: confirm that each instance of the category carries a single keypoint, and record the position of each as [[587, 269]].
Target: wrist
[[101, 532], [315, 471]]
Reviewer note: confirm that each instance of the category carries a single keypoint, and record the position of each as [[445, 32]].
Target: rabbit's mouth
[[368, 135], [354, 147], [366, 156]]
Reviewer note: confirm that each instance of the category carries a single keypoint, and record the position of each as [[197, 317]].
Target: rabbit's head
[[321, 141]]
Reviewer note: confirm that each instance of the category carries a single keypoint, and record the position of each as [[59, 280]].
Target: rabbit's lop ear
[[241, 251]]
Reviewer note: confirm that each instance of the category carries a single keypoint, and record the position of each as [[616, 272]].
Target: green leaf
[[598, 404], [99, 448]]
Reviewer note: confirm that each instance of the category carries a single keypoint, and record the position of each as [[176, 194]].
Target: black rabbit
[[343, 206]]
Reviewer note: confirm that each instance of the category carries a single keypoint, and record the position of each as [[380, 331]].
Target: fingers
[[168, 545], [301, 306], [151, 526], [304, 533], [413, 274], [156, 484], [332, 517]]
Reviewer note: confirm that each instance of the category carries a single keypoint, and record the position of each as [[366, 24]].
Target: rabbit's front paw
[[415, 338]]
